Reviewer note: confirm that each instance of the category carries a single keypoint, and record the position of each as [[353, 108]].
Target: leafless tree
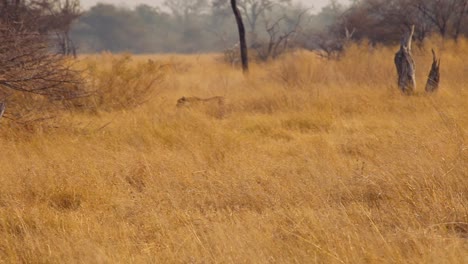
[[183, 9], [46, 17], [242, 40], [280, 37], [27, 66], [461, 17], [384, 20], [253, 11], [439, 12], [62, 13], [331, 45]]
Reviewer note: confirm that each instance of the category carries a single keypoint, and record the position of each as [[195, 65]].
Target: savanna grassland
[[310, 161]]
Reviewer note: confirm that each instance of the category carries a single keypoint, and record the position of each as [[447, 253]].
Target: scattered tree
[[242, 40], [62, 16], [252, 10], [381, 21], [445, 15], [333, 45], [281, 36], [184, 9], [46, 17]]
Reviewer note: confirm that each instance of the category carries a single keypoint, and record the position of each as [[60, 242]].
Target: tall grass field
[[308, 161]]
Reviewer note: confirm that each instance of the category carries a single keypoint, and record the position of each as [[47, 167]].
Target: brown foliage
[[124, 83]]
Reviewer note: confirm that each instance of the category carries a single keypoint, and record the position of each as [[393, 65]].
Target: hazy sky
[[317, 4]]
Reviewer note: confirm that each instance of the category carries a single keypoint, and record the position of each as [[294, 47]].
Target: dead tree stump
[[2, 109], [434, 75], [405, 64]]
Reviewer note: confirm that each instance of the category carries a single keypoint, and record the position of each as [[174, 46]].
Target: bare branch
[[26, 65]]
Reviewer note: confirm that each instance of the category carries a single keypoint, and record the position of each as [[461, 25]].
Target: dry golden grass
[[314, 161]]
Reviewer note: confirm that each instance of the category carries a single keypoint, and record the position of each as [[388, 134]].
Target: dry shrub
[[304, 70], [65, 201], [294, 72], [28, 113], [231, 56], [35, 83], [123, 83]]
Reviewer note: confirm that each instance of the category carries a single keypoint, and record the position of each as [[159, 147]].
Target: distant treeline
[[189, 26], [211, 27]]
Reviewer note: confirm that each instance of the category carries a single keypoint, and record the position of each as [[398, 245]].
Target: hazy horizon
[[316, 4]]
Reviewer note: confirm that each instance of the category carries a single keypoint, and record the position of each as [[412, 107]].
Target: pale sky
[[317, 4]]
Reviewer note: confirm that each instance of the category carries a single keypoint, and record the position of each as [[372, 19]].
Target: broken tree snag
[[434, 75], [2, 109], [405, 64], [242, 41]]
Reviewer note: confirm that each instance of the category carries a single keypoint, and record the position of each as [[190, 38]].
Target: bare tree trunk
[[405, 64], [2, 109], [434, 75], [243, 43]]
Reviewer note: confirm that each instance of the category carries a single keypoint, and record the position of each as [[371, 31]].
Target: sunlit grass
[[313, 161]]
